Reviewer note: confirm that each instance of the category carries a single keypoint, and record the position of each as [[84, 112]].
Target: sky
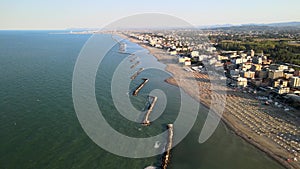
[[62, 14]]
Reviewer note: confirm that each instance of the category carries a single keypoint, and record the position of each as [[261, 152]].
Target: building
[[211, 49], [257, 60], [252, 53], [275, 74], [222, 57], [231, 66], [237, 61], [246, 66], [297, 73], [212, 61], [188, 63], [291, 70], [288, 75], [202, 57], [266, 61], [183, 59], [241, 82], [248, 74], [256, 82], [244, 59], [231, 54], [195, 54], [278, 67], [294, 82], [282, 90], [256, 67], [280, 82], [174, 52], [235, 73], [263, 74], [178, 49]]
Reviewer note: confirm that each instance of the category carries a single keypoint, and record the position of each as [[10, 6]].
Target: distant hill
[[253, 26], [285, 24], [216, 26], [279, 24]]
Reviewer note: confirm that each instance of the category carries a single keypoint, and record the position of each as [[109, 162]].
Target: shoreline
[[227, 119], [244, 136]]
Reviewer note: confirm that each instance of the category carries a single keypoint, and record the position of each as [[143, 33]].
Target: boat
[[157, 144]]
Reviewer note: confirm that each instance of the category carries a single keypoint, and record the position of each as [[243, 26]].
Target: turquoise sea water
[[39, 127]]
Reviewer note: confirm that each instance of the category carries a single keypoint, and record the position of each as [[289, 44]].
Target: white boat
[[151, 167], [157, 144]]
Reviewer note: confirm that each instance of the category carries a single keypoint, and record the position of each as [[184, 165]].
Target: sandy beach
[[258, 124]]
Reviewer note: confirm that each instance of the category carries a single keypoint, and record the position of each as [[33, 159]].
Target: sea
[[40, 128]]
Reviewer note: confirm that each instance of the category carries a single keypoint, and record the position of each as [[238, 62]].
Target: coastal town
[[242, 68], [262, 96]]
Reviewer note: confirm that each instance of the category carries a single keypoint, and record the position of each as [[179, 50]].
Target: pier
[[167, 154], [131, 60], [137, 90], [137, 73], [133, 66], [146, 121], [122, 45]]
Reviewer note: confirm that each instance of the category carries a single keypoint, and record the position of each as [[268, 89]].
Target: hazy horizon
[[198, 26], [58, 15]]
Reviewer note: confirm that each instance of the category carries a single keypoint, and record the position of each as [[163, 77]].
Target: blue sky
[[60, 14]]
